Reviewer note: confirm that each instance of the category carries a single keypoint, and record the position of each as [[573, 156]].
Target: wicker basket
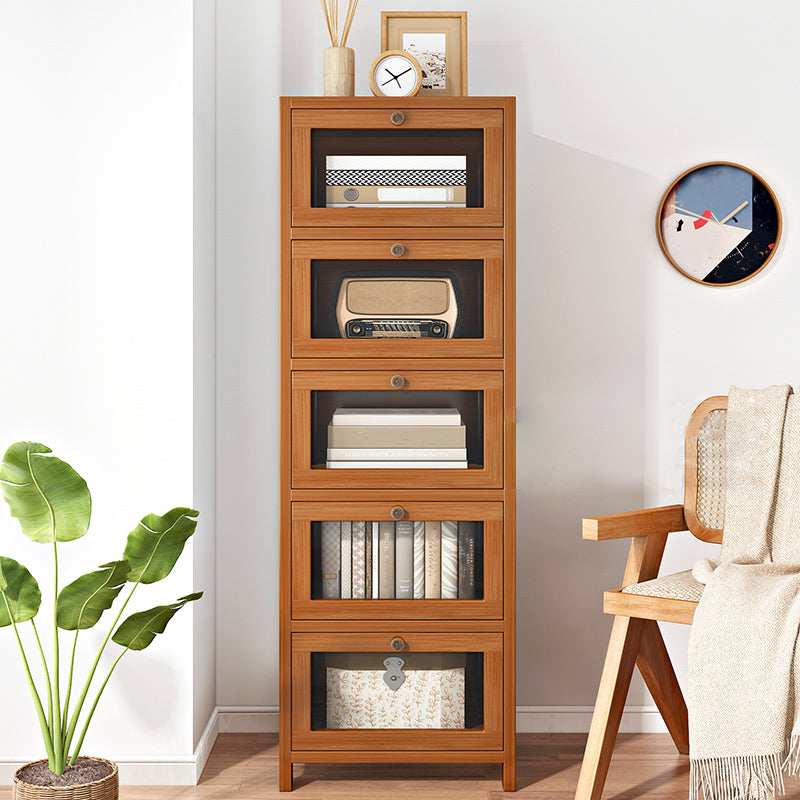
[[105, 789]]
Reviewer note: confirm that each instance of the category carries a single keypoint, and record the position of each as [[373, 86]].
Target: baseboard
[[530, 719], [145, 770], [576, 719], [248, 719]]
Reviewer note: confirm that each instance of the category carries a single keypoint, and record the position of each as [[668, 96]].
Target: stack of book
[[392, 438], [419, 560]]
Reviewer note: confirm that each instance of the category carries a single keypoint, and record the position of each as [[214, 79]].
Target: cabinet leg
[[509, 776], [285, 775]]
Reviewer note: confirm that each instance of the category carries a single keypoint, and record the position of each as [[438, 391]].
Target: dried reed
[[330, 9]]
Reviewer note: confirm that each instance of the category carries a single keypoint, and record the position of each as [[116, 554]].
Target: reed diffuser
[[338, 60]]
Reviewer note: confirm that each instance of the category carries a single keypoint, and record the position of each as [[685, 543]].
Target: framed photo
[[438, 40], [719, 223]]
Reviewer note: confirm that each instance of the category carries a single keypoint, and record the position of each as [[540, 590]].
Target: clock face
[[719, 224], [396, 75]]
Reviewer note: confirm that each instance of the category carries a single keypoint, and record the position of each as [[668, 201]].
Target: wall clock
[[395, 74], [719, 223]]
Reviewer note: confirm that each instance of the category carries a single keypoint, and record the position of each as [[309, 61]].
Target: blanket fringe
[[791, 764], [740, 777]]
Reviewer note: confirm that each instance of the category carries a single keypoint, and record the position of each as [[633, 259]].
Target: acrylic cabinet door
[[379, 150], [341, 286]]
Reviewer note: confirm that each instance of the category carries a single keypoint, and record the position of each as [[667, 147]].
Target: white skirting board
[[144, 770], [186, 770]]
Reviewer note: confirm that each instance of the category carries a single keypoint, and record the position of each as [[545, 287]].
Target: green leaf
[[19, 593], [82, 603], [50, 500], [156, 543], [141, 628]]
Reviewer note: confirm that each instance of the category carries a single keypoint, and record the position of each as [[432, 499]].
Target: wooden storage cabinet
[[433, 664]]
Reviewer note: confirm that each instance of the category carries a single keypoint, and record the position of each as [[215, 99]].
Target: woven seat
[[678, 586], [647, 599]]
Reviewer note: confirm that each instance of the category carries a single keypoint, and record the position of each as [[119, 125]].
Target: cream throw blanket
[[744, 667]]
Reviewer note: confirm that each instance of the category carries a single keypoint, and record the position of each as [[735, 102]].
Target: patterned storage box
[[428, 698]]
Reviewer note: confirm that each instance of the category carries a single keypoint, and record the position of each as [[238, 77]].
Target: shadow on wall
[[581, 339]]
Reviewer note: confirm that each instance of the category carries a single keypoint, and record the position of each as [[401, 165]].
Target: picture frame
[[719, 223], [438, 40]]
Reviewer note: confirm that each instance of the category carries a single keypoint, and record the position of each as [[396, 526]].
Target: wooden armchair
[[645, 598]]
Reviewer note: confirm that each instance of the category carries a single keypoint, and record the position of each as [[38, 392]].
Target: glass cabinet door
[[397, 167], [405, 298], [406, 429], [397, 559], [397, 690]]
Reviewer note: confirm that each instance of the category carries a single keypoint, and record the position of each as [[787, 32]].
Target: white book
[[396, 416], [396, 464], [404, 560], [347, 560], [359, 560], [449, 560], [376, 557], [419, 560], [395, 162], [399, 454]]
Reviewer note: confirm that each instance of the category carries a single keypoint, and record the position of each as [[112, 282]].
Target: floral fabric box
[[427, 698]]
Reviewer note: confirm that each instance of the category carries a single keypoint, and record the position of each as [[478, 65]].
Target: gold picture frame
[[440, 47]]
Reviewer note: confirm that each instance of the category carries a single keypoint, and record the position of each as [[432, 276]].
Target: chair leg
[[656, 668], [623, 647]]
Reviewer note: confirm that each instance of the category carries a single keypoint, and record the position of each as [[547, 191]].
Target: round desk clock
[[395, 73], [719, 223]]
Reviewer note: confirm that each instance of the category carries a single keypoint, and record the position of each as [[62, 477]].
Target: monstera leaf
[[82, 603], [156, 543], [141, 628], [19, 593], [50, 500]]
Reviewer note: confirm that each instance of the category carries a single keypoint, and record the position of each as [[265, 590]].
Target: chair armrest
[[665, 519]]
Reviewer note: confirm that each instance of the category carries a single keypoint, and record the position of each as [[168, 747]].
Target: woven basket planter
[[104, 789]]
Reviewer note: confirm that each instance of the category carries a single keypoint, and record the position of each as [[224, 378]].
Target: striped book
[[359, 560], [433, 560], [449, 560], [419, 560], [347, 560]]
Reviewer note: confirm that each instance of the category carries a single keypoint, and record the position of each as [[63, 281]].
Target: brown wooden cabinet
[[384, 198]]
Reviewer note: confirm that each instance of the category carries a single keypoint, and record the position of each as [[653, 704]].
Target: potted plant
[[53, 505]]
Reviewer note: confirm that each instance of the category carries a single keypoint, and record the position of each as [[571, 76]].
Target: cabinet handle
[[397, 118], [398, 250], [397, 644], [398, 512], [397, 381]]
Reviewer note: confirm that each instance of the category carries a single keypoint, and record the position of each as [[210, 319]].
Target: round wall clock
[[719, 223], [395, 73]]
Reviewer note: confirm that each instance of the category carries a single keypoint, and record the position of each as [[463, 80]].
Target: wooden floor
[[245, 767]]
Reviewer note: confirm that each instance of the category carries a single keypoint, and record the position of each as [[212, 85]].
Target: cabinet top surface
[[366, 101]]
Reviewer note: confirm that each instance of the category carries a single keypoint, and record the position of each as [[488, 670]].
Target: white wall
[[96, 300]]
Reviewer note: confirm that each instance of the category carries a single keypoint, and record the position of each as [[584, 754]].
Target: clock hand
[[404, 72], [393, 78], [735, 211]]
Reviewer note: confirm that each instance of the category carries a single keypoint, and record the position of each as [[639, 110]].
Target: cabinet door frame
[[489, 120], [489, 607], [490, 253], [490, 737], [308, 476]]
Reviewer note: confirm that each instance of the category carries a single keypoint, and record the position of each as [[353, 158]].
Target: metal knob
[[398, 250], [398, 512], [397, 644], [397, 118], [397, 381]]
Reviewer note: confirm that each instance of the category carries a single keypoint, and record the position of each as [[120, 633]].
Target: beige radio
[[400, 305]]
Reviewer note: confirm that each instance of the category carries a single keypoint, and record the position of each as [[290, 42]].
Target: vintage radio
[[397, 305], [423, 180]]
